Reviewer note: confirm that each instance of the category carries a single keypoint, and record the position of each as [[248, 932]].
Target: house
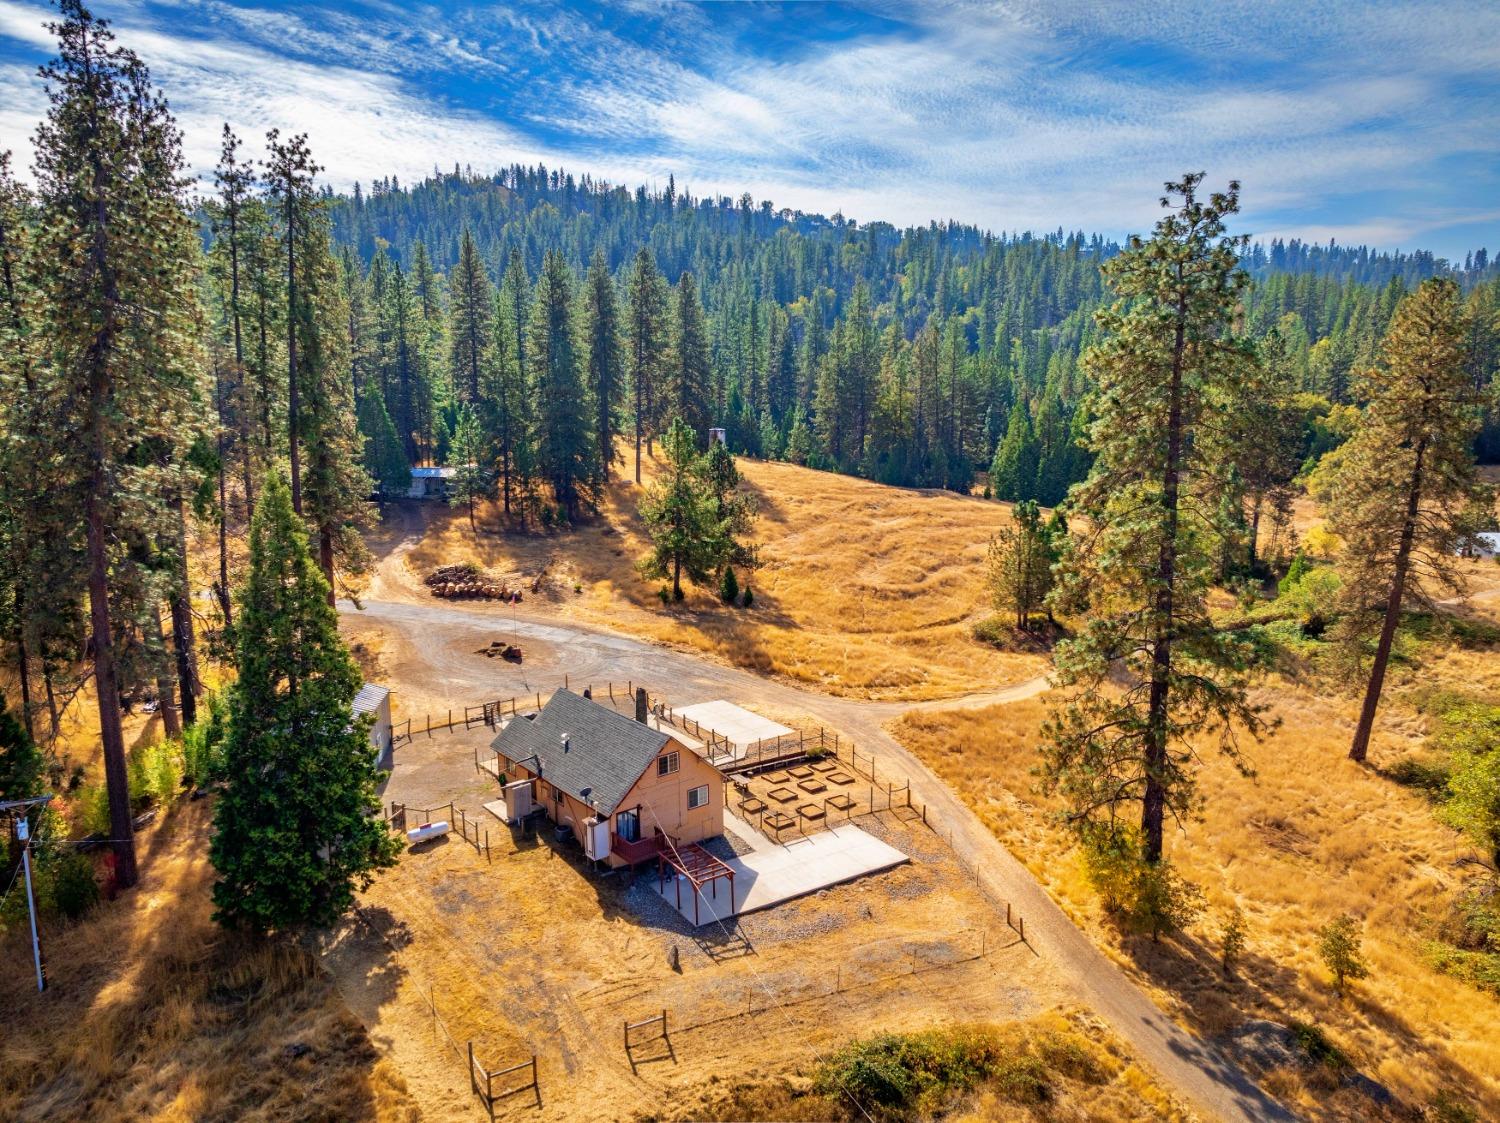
[[376, 700], [625, 788], [431, 483]]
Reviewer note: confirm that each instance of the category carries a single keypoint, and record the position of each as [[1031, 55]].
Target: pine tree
[[567, 455], [234, 179], [678, 511], [20, 760], [1143, 571], [648, 345], [384, 458], [687, 394], [121, 317], [734, 510], [471, 315], [603, 358], [289, 176], [293, 835], [336, 487], [1020, 565], [1405, 493], [1014, 470], [472, 479], [505, 410]]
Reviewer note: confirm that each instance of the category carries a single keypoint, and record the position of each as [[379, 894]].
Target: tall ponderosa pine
[[686, 394], [603, 358], [471, 316], [566, 453], [1405, 493], [289, 176], [293, 835], [336, 487], [648, 345], [119, 295], [1142, 569], [235, 180]]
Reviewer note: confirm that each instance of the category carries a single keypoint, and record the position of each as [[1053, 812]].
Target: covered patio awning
[[698, 867]]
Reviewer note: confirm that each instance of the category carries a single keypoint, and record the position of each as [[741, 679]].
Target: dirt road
[[438, 642]]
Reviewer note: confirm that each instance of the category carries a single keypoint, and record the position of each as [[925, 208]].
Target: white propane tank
[[426, 831]]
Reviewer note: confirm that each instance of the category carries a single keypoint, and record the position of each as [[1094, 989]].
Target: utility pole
[[23, 835], [23, 832]]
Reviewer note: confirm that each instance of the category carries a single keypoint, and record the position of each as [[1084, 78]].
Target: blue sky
[[1375, 123]]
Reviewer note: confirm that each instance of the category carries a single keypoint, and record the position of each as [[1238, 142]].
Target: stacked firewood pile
[[466, 582]]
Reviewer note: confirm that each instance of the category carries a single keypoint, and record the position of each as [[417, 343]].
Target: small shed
[[431, 482], [373, 699], [1487, 543]]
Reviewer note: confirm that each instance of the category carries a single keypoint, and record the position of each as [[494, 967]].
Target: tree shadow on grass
[[149, 997]]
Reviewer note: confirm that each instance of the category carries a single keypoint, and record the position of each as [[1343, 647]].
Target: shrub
[[74, 890], [1145, 897], [1232, 941], [1448, 1108], [1317, 1046], [664, 595], [138, 776], [729, 586], [165, 772], [749, 598], [1294, 574], [1339, 947], [90, 812], [1163, 901]]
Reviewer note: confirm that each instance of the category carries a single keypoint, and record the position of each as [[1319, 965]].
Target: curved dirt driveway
[[445, 635]]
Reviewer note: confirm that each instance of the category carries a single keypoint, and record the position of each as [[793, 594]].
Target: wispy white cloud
[[1020, 114]]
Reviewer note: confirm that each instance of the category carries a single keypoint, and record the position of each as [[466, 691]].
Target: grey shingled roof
[[606, 753]]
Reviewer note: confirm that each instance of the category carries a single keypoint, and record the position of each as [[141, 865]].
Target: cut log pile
[[460, 582]]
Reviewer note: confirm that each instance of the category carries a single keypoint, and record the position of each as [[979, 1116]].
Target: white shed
[[433, 482], [376, 700]]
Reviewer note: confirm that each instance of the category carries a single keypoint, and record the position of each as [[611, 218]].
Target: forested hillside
[[910, 357]]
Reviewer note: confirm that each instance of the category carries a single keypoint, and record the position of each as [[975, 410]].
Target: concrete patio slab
[[769, 876]]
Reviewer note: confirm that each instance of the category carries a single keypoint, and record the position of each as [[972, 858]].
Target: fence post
[[473, 1084]]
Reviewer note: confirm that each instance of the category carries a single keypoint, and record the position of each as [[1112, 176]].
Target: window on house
[[698, 797], [666, 765]]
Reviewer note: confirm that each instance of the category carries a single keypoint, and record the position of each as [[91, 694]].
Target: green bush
[[1145, 897], [91, 810], [749, 598], [163, 762], [729, 586], [1317, 1046], [73, 888]]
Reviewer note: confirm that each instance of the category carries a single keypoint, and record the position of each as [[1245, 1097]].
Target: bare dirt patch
[[865, 590]]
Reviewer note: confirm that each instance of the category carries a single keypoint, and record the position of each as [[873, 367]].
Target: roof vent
[[564, 740]]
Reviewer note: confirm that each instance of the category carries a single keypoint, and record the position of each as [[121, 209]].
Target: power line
[[759, 978]]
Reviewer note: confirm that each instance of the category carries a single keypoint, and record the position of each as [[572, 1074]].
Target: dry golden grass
[[153, 1013], [1099, 1081], [865, 590], [1311, 836]]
